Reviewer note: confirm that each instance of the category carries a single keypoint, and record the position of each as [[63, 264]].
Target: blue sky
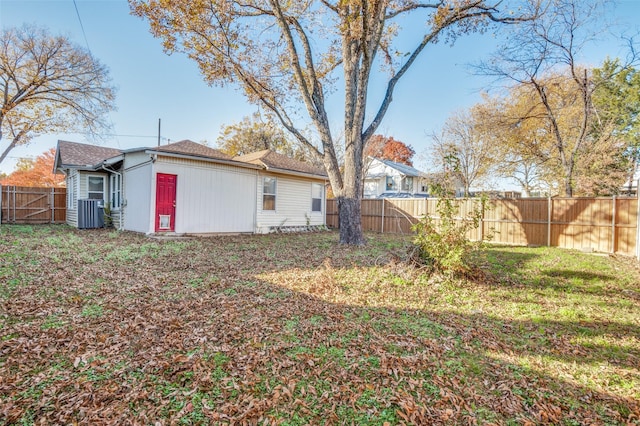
[[153, 85]]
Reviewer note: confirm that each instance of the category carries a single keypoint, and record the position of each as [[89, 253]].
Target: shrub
[[442, 243]]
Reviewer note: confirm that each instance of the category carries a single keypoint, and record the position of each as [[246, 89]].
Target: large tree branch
[[470, 11], [294, 56], [317, 95], [412, 7], [388, 97]]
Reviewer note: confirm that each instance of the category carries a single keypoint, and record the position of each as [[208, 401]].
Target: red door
[[165, 202]]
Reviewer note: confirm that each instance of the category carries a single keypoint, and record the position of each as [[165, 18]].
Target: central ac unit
[[90, 214]]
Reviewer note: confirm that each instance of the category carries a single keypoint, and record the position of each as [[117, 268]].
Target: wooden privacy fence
[[21, 204], [607, 225]]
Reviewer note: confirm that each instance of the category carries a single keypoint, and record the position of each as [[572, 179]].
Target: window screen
[[269, 193], [316, 197], [95, 189]]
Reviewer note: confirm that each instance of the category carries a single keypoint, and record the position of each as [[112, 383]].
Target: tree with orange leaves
[[388, 148], [37, 173], [296, 59]]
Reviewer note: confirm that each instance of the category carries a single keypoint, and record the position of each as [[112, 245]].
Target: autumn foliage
[[49, 85], [388, 148], [36, 173], [278, 329]]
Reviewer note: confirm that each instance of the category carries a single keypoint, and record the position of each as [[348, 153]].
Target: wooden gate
[[21, 205]]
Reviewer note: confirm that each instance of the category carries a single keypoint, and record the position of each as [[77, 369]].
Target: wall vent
[[90, 214]]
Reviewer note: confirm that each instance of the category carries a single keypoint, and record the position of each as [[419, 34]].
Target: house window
[[95, 187], [424, 188], [269, 193], [391, 184], [115, 191], [316, 197], [71, 191], [407, 183]]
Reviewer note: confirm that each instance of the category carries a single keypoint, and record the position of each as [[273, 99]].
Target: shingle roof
[[402, 168], [273, 160], [192, 148], [83, 155]]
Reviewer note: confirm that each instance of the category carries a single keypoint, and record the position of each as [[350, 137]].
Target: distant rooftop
[[402, 168], [272, 160]]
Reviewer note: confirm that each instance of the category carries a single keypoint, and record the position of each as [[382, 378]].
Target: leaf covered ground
[[102, 327]]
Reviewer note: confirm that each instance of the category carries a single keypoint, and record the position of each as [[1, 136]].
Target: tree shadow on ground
[[513, 273], [185, 336], [581, 275]]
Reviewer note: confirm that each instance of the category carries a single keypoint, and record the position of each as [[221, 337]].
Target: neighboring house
[[188, 188], [496, 194], [630, 187], [388, 179]]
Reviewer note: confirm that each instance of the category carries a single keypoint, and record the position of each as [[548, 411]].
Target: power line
[[86, 41], [116, 135], [82, 27]]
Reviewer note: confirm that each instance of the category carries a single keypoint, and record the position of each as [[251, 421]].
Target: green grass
[[296, 329]]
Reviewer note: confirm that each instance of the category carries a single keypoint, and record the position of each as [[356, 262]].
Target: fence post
[[52, 202], [1, 196], [638, 220], [14, 202], [482, 220], [613, 225], [549, 212], [382, 221]]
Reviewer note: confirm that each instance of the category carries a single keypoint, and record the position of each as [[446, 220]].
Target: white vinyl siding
[[137, 199], [293, 204], [72, 184], [381, 178], [72, 197], [78, 181], [210, 198]]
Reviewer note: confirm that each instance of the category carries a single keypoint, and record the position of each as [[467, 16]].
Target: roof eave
[[202, 158], [113, 160], [295, 173], [55, 160], [85, 168]]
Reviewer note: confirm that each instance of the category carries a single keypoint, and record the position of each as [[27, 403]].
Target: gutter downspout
[[121, 224]]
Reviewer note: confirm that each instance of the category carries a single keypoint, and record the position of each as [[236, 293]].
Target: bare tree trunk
[[632, 174], [350, 221], [568, 188], [350, 197], [9, 148]]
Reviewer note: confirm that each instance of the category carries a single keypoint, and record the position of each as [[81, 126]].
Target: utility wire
[[82, 27], [86, 41]]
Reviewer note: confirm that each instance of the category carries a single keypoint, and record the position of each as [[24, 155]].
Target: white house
[[388, 179], [188, 188]]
